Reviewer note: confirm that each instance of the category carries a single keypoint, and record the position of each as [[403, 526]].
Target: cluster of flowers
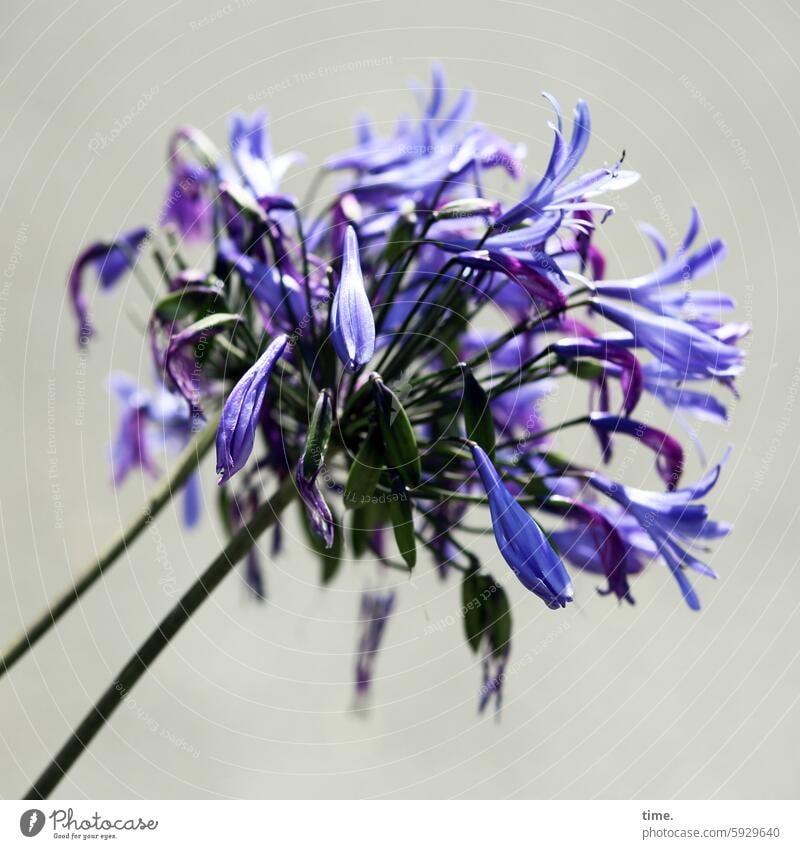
[[368, 307]]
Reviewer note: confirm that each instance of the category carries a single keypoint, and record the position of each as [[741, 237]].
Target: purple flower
[[181, 367], [563, 160], [519, 411], [410, 141], [150, 422], [521, 541], [664, 291], [352, 320], [191, 500], [237, 428], [452, 236], [252, 152], [420, 178], [376, 608], [605, 542], [537, 274], [673, 521], [280, 292], [319, 514], [607, 350], [110, 260], [131, 447], [187, 206], [668, 451], [690, 352], [425, 155], [674, 394]]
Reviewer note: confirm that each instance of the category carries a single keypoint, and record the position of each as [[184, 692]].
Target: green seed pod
[[318, 436], [402, 453]]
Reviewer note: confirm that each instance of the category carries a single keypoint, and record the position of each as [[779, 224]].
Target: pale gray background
[[651, 701]]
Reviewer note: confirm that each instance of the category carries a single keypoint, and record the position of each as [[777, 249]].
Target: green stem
[[398, 275], [313, 187], [187, 463], [306, 277], [152, 647], [522, 327], [580, 420], [409, 318]]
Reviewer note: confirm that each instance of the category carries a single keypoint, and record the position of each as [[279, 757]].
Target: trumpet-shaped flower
[[689, 351], [673, 521]]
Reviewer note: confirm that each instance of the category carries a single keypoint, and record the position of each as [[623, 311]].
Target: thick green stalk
[[152, 647], [186, 464]]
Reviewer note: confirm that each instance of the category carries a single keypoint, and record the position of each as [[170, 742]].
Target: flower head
[[413, 255]]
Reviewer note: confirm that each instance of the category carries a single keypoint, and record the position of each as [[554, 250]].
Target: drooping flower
[[535, 272], [673, 521], [181, 362], [352, 321], [607, 350], [319, 513], [110, 260], [494, 638], [679, 397], [521, 541], [151, 422], [605, 542], [311, 464], [668, 451], [376, 607], [494, 671], [237, 426]]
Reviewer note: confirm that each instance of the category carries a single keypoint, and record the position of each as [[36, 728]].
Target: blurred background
[[256, 700]]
